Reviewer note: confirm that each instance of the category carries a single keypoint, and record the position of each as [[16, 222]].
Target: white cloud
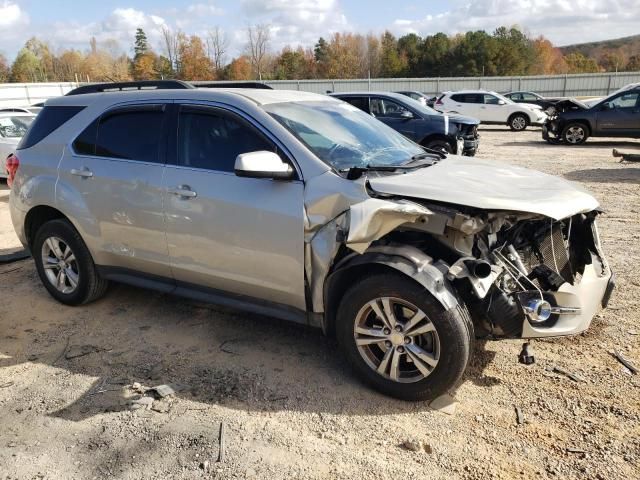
[[297, 22], [204, 9], [12, 15], [562, 21]]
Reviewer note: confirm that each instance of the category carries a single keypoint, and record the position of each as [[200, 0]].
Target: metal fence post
[[26, 90], [437, 85], [609, 85]]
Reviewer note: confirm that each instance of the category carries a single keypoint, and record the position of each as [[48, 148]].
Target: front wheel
[[575, 134], [400, 339], [518, 122]]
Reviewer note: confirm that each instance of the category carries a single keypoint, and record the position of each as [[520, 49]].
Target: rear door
[[466, 104], [392, 113], [234, 234], [116, 166], [359, 102], [620, 116]]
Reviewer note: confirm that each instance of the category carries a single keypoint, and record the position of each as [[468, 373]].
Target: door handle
[[84, 172], [183, 191]]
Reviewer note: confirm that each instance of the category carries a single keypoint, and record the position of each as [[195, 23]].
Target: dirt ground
[[291, 409]]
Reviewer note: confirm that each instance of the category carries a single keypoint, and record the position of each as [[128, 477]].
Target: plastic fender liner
[[407, 260]]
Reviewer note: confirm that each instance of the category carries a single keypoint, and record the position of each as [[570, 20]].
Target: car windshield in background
[[502, 97], [14, 127], [420, 107], [342, 135]]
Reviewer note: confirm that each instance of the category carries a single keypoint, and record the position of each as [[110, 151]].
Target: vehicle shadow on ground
[[605, 175], [211, 355]]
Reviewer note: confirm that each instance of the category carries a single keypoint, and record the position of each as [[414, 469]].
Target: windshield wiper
[[353, 173], [429, 153]]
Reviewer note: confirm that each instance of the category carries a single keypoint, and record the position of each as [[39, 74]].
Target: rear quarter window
[[47, 121]]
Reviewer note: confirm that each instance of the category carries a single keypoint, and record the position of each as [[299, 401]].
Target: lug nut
[[400, 349], [388, 344], [407, 340], [386, 331], [398, 328]]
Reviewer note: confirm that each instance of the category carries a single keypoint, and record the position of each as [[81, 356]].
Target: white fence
[[25, 94], [592, 84], [589, 84]]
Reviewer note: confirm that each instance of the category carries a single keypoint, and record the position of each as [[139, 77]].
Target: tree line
[[506, 51]]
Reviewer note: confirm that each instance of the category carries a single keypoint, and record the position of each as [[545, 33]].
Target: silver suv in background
[[303, 207]]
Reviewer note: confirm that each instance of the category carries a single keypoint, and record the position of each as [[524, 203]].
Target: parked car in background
[[618, 115], [431, 129], [13, 126], [302, 207], [491, 108], [533, 99], [418, 96]]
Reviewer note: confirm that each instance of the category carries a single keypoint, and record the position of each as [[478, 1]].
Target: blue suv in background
[[431, 129]]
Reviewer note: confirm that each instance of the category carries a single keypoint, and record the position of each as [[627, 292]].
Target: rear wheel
[[400, 339], [575, 134], [518, 122], [65, 265], [439, 146]]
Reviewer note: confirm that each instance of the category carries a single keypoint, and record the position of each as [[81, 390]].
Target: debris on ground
[[76, 351], [141, 403], [414, 445], [618, 356], [566, 373], [575, 450], [445, 404], [162, 391], [519, 416], [221, 451]]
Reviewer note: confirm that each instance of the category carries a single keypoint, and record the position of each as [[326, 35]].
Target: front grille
[[550, 251]]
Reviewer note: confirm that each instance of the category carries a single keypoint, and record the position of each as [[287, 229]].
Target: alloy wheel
[[60, 265], [396, 339], [519, 123], [575, 135]]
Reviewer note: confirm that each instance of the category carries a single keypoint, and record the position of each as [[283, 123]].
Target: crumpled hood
[[532, 106], [490, 186], [455, 118]]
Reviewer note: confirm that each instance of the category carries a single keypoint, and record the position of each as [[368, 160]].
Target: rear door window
[[128, 133], [359, 102], [385, 108], [467, 98], [48, 120]]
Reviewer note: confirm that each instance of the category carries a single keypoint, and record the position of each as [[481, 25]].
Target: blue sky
[[69, 23]]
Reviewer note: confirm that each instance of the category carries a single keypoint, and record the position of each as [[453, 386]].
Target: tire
[[518, 122], [440, 146], [447, 339], [56, 241], [575, 134]]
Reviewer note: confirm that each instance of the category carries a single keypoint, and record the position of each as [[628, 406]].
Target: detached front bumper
[[468, 146], [573, 306]]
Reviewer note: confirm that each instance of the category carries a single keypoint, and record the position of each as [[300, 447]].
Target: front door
[[395, 115], [232, 234], [116, 166], [620, 115], [491, 110]]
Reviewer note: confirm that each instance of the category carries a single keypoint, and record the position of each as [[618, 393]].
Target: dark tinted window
[[212, 139], [132, 133], [48, 120], [467, 98], [360, 102], [491, 99], [385, 108], [85, 144]]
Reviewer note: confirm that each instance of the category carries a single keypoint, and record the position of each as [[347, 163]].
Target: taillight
[[13, 162]]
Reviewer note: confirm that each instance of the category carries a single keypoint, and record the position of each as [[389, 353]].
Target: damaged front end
[[535, 277], [554, 124], [520, 275]]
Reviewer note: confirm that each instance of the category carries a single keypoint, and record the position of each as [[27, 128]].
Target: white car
[[13, 126], [491, 107]]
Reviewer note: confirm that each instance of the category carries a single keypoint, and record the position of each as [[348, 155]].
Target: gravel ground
[[290, 407]]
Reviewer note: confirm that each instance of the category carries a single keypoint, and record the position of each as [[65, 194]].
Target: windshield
[[14, 127], [502, 97], [342, 135]]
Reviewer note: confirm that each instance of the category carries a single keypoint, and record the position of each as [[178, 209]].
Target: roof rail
[[123, 86], [241, 84]]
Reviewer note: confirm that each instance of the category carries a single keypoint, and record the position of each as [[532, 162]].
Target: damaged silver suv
[[303, 207]]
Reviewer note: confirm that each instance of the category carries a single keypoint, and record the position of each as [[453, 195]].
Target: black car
[[573, 122], [423, 125], [532, 98]]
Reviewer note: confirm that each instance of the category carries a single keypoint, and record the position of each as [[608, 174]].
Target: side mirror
[[406, 114], [262, 164], [501, 102]]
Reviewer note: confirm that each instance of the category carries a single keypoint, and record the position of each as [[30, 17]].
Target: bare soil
[[291, 409]]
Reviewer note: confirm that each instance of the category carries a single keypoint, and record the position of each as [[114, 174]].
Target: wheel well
[[37, 217], [339, 282], [525, 115], [436, 136], [584, 123]]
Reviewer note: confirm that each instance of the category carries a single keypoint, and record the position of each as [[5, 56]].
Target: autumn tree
[[258, 47], [194, 64], [548, 59], [578, 63], [409, 48], [5, 71], [392, 64], [171, 44], [26, 67], [217, 48], [347, 56], [239, 69], [634, 64]]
